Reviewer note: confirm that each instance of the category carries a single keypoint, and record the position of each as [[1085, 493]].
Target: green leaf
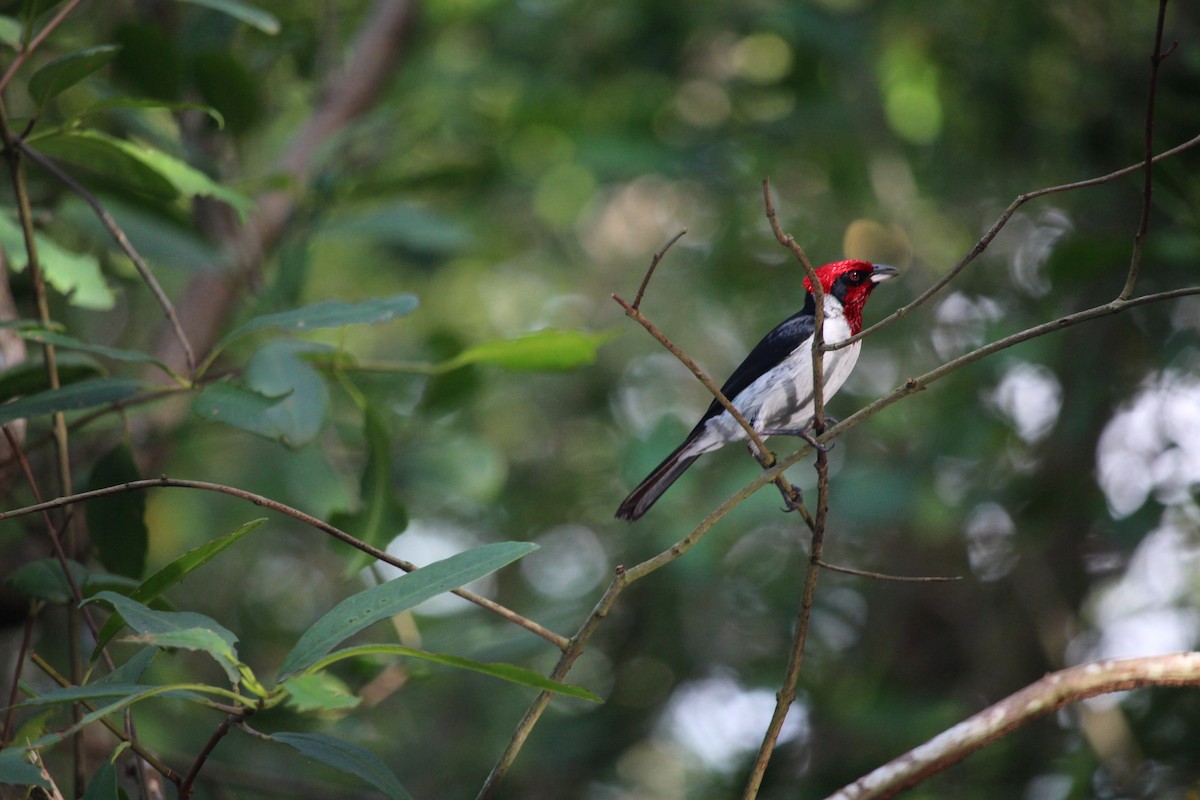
[[75, 275], [382, 516], [146, 103], [184, 629], [132, 670], [100, 154], [30, 377], [543, 350], [75, 397], [10, 31], [116, 522], [44, 580], [16, 770], [326, 314], [103, 785], [507, 672], [103, 691], [400, 594], [65, 71], [254, 17], [149, 590], [187, 179], [71, 343], [239, 407], [318, 692], [346, 757], [277, 371]]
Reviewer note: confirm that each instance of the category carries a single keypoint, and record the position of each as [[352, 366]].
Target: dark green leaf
[[399, 594], [228, 85], [382, 516], [346, 757], [29, 377], [277, 371], [100, 154], [326, 314], [543, 350], [102, 691], [185, 629], [44, 580], [239, 407], [147, 103], [16, 770], [116, 522], [151, 589], [507, 672], [131, 671], [103, 785], [71, 343], [248, 14], [65, 71], [75, 397]]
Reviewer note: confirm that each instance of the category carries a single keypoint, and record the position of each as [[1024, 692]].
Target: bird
[[772, 388]]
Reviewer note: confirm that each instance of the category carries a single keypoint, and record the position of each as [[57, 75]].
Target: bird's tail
[[648, 491]]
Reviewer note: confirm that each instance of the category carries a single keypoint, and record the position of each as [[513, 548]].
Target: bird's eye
[[855, 276]]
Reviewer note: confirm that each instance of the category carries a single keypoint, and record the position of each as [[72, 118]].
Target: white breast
[[782, 399]]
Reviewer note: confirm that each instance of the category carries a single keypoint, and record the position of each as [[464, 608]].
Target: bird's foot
[[792, 500], [805, 433]]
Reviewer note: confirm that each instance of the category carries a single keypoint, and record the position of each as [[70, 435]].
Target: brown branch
[[1139, 238], [557, 640], [637, 300], [187, 786], [997, 226], [883, 576], [1049, 694]]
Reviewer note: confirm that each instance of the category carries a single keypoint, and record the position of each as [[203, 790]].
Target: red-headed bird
[[773, 387]]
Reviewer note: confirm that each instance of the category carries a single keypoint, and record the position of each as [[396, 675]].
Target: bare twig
[[1036, 700], [637, 300], [997, 226], [557, 640], [123, 242], [187, 785], [1156, 58], [883, 576]]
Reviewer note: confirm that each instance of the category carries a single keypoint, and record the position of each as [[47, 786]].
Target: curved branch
[[558, 641], [1036, 700]]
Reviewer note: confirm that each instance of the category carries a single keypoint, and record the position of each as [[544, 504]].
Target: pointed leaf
[[277, 371], [75, 397], [29, 377], [110, 103], [400, 594], [101, 155], [254, 17], [327, 314], [507, 672], [116, 522], [235, 405], [185, 629], [540, 351], [319, 691], [104, 691], [383, 516], [71, 343], [16, 770], [131, 671], [103, 785], [65, 71], [346, 757], [44, 580]]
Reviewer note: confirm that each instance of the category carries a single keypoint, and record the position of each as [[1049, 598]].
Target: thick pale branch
[[1046, 695]]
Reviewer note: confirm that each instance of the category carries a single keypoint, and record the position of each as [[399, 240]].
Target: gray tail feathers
[[657, 482]]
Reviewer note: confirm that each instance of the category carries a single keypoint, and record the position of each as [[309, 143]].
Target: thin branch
[[35, 43], [883, 576], [123, 242], [997, 226], [1139, 239], [557, 640], [1049, 694], [26, 638], [186, 787], [637, 300]]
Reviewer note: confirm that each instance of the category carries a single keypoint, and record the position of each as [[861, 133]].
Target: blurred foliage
[[525, 162]]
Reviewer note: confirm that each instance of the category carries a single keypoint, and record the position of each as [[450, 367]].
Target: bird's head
[[851, 283]]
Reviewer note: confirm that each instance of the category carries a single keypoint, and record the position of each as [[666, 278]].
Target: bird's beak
[[881, 272]]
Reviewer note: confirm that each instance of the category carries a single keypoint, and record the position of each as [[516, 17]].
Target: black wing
[[774, 348]]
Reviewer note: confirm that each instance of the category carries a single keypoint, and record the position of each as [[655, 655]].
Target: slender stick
[[882, 576], [557, 640], [36, 42]]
